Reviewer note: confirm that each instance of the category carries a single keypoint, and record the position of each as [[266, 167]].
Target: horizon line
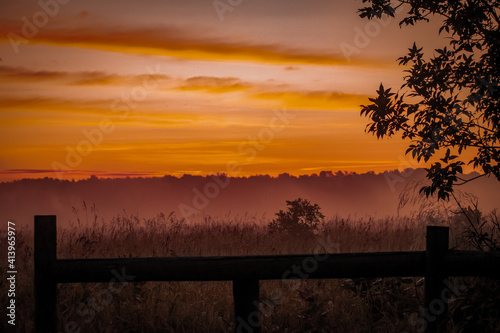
[[99, 175]]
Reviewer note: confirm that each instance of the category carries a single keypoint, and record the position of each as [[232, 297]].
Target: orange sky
[[174, 87]]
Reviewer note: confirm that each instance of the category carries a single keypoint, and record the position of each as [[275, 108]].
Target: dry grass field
[[370, 305]]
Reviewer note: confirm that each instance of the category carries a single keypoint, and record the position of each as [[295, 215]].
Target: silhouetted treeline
[[336, 193]]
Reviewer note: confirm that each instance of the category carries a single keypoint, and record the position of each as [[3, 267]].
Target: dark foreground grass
[[360, 305]]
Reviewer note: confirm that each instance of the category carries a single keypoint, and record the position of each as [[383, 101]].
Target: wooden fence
[[436, 264]]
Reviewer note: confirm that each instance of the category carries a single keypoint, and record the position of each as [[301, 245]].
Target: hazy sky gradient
[[206, 90]]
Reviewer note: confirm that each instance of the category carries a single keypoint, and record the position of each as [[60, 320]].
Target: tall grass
[[360, 305]]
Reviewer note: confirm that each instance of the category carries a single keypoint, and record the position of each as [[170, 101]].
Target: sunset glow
[[171, 87]]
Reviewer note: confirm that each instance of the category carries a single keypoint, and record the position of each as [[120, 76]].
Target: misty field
[[343, 305]]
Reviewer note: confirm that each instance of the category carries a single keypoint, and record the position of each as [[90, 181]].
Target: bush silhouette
[[301, 218]]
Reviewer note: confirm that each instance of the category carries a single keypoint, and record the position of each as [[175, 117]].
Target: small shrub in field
[[301, 218]]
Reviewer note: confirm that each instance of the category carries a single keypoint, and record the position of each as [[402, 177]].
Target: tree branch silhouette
[[450, 101]]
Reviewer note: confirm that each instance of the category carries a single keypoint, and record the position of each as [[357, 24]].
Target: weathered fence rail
[[435, 264]]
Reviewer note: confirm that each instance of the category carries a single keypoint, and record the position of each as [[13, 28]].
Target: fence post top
[[437, 228], [45, 219]]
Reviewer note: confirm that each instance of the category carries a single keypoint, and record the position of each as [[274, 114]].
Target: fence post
[[437, 242], [45, 286], [246, 306]]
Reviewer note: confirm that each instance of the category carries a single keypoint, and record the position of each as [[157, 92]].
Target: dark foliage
[[300, 219], [450, 102]]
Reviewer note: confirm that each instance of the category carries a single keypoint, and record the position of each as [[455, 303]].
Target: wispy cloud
[[26, 173], [188, 44], [25, 75], [281, 93], [315, 100], [214, 84], [254, 94]]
